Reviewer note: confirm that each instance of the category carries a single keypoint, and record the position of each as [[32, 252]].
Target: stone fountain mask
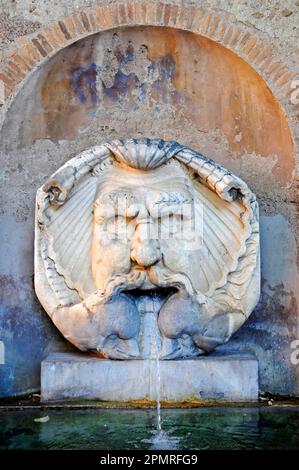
[[134, 218]]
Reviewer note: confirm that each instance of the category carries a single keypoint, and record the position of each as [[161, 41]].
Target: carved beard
[[162, 276], [189, 322], [159, 275]]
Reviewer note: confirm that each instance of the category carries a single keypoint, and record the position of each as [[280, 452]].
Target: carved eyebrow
[[120, 193], [173, 198], [115, 196], [117, 203]]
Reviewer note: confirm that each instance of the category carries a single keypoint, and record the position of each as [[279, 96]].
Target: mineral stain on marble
[[163, 69], [89, 85], [122, 84], [158, 82], [83, 83]]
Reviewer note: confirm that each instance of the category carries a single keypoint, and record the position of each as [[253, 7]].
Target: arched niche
[[159, 82], [155, 82]]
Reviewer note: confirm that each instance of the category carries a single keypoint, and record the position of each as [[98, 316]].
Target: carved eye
[[171, 225], [132, 211], [118, 227], [103, 211]]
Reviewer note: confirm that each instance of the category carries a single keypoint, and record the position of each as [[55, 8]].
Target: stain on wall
[[154, 82]]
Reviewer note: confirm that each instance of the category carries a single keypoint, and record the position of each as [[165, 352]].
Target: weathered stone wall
[[215, 75]]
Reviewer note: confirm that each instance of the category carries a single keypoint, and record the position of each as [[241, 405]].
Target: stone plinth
[[70, 376]]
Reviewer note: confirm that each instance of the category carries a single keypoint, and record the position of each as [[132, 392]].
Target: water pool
[[214, 428]]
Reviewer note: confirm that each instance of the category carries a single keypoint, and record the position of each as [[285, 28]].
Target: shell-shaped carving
[[143, 153], [226, 228], [230, 248], [69, 231]]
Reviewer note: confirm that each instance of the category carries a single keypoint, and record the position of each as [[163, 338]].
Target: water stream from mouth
[[157, 344], [158, 390], [150, 341]]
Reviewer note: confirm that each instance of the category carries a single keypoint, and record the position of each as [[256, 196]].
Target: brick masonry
[[47, 41]]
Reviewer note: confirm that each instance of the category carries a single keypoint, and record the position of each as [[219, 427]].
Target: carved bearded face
[[143, 223], [127, 218]]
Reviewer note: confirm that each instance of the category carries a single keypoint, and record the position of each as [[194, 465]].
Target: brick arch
[[33, 52]]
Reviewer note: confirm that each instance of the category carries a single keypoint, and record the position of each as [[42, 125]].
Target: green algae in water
[[201, 428]]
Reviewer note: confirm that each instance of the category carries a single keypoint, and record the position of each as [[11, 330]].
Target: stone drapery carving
[[143, 219]]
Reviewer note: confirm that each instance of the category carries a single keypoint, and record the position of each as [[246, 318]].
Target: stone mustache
[[138, 217]]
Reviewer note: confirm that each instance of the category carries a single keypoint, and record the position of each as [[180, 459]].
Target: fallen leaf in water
[[44, 419]]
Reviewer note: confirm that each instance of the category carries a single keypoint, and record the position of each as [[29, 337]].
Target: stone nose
[[145, 250]]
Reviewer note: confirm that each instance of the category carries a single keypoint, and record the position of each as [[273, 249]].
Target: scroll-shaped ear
[[56, 191], [63, 180], [228, 186]]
